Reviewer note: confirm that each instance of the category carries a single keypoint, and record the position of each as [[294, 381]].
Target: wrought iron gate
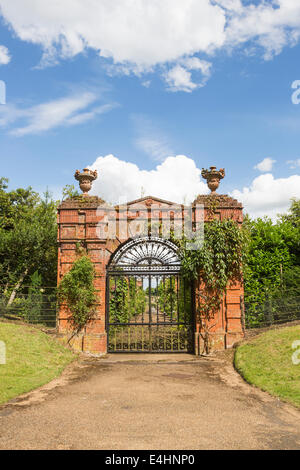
[[148, 303]]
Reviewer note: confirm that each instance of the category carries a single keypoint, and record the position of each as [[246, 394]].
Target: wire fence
[[274, 311], [37, 306], [40, 306]]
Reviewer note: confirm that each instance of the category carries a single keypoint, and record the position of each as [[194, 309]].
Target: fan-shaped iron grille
[[147, 254]]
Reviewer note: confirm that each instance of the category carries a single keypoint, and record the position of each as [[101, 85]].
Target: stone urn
[[85, 178], [213, 177]]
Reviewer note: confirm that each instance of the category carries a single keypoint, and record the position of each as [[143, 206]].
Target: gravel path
[[149, 402]]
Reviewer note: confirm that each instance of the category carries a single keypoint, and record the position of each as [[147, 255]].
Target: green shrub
[[77, 290]]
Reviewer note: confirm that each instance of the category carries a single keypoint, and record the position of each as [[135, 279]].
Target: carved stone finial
[[213, 177], [85, 178]]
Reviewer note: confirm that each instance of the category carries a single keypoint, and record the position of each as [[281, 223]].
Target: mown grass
[[266, 362], [32, 359]]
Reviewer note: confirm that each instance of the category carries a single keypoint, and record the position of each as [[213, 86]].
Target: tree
[[273, 256], [28, 234], [268, 256], [15, 205], [293, 214], [70, 192]]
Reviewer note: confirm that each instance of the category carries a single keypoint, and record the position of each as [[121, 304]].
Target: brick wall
[[86, 222]]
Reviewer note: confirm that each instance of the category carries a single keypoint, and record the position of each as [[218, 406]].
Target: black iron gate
[[148, 303]]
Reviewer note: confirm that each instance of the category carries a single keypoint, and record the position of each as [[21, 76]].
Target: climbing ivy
[[77, 290], [217, 261]]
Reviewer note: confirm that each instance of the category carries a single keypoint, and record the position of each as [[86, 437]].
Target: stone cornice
[[91, 202], [218, 200]]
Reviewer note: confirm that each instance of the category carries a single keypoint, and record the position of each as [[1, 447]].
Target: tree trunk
[[14, 292], [7, 284]]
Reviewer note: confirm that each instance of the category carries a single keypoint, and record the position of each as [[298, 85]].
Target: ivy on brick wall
[[218, 260], [77, 291]]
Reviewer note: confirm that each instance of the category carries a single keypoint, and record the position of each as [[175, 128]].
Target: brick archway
[[87, 221]]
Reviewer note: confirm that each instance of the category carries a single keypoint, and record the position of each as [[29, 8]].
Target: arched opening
[[148, 303]]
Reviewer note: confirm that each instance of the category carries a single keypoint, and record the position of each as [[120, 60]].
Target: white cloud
[[268, 196], [265, 165], [294, 163], [136, 32], [271, 25], [67, 111], [177, 179], [4, 55], [179, 77], [138, 36], [234, 5]]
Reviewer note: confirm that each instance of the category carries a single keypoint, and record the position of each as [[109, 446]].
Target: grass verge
[[266, 361], [32, 359]]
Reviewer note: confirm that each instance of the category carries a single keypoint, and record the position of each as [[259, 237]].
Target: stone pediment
[[148, 201], [95, 201]]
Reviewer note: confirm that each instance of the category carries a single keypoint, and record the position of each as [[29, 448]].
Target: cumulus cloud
[[67, 111], [138, 36], [268, 195], [265, 165], [179, 77], [271, 25], [135, 32], [4, 55], [176, 179]]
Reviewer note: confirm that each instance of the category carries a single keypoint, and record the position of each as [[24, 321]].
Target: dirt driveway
[[149, 402]]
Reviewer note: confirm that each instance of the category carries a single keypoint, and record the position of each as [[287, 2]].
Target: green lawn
[[32, 359], [266, 361]]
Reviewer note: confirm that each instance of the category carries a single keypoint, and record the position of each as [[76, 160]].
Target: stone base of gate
[[218, 341], [96, 344], [93, 344]]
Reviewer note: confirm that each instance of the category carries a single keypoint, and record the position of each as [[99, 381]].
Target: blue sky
[[159, 82]]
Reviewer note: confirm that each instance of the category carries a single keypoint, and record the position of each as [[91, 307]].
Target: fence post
[[242, 306], [270, 318]]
